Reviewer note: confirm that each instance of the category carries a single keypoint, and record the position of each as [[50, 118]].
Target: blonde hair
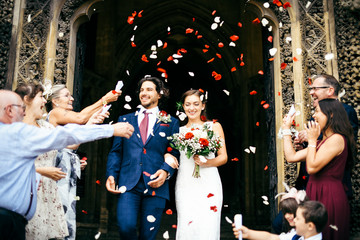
[[55, 93]]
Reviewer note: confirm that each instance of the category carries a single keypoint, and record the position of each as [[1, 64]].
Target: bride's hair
[[200, 93]]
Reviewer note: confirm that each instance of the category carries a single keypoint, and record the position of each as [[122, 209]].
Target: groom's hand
[[159, 178], [110, 185]]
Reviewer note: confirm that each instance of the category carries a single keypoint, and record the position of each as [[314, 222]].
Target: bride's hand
[[200, 160]]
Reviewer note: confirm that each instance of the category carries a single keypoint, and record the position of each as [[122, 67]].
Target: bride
[[199, 200]]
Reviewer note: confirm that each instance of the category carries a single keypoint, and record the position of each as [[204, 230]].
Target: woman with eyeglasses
[[60, 112], [326, 161], [49, 220]]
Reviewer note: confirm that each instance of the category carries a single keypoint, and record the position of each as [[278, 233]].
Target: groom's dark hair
[[160, 88]]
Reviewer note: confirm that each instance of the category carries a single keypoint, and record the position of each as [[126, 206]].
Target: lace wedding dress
[[198, 200]]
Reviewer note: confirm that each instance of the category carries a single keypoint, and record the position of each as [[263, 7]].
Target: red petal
[[214, 208], [207, 46], [213, 73], [196, 33], [200, 90], [199, 36], [170, 58], [84, 158], [309, 80], [283, 66], [218, 77], [286, 5], [234, 38], [205, 50], [203, 118], [190, 222], [220, 45], [241, 56], [304, 177], [239, 24], [84, 211], [215, 120], [279, 93], [130, 20], [144, 58], [146, 174], [133, 44], [295, 59], [262, 102], [210, 60], [140, 13], [153, 193], [169, 212], [218, 55], [271, 59], [183, 50], [235, 159], [257, 124], [158, 63], [210, 195], [261, 72], [193, 19], [98, 182], [266, 168], [165, 45], [113, 92], [161, 70], [213, 13], [256, 21], [266, 106], [174, 226], [270, 39], [242, 64], [169, 149], [189, 30], [134, 14], [233, 69], [253, 92], [277, 2]]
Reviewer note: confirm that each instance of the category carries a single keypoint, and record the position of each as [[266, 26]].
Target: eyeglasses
[[17, 105], [316, 88]]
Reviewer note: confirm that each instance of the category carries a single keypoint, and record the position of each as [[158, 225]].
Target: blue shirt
[[20, 144]]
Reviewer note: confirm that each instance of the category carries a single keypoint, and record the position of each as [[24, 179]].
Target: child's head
[[311, 217]]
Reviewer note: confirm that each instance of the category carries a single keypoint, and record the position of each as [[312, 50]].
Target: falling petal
[[29, 18], [329, 56], [77, 198], [127, 106], [165, 45], [266, 167], [144, 58], [152, 228], [138, 135], [83, 211], [270, 28], [127, 72], [213, 13], [257, 124], [207, 46], [97, 236], [239, 24], [140, 13], [159, 43], [283, 66], [235, 159], [166, 235], [228, 220], [189, 30], [253, 92], [210, 195], [177, 56], [214, 26], [174, 226], [199, 36], [213, 208], [256, 21], [247, 150], [150, 218], [233, 69], [146, 190], [266, 106], [232, 44], [132, 38], [234, 38], [261, 72], [270, 38], [153, 193], [209, 61], [265, 198], [169, 212], [298, 51], [264, 22], [295, 59], [176, 61], [334, 227], [288, 39], [191, 74], [266, 5], [226, 92], [221, 23], [277, 2], [98, 182], [182, 116], [127, 98], [130, 20], [168, 29], [280, 24], [252, 149], [273, 51], [162, 134], [308, 4], [217, 19], [135, 27], [242, 64], [266, 202], [220, 45], [122, 189], [218, 55], [286, 5]]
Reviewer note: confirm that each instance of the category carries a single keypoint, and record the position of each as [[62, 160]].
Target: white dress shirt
[[152, 118]]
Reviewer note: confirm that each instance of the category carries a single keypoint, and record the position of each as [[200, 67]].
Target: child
[[311, 218]]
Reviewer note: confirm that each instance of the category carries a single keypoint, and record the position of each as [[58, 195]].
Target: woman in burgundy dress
[[326, 161]]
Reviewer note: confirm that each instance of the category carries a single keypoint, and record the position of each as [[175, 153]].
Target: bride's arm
[[221, 157]]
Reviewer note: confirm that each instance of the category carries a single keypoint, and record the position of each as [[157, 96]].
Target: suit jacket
[[130, 158]]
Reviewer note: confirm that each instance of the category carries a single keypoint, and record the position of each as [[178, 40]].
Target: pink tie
[[144, 127]]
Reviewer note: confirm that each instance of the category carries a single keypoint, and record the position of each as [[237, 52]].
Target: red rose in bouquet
[[189, 135]]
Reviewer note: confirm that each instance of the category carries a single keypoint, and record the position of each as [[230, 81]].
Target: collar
[[315, 237], [152, 110]]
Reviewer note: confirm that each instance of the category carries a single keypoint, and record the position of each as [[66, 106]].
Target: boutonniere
[[162, 116]]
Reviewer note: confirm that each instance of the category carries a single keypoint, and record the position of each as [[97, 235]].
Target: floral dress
[[49, 219]]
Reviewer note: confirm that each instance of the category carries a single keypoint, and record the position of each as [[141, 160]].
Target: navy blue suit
[[129, 161]]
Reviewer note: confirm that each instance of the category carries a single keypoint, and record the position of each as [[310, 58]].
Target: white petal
[[152, 228], [214, 26], [298, 51], [166, 235], [61, 34], [162, 134], [161, 92], [153, 56], [270, 28], [191, 74], [266, 202], [288, 39], [163, 75], [334, 227], [146, 190], [266, 5], [77, 198], [329, 56], [152, 132], [127, 106], [135, 27], [177, 56], [124, 119], [206, 95], [252, 149], [151, 218], [281, 9], [265, 198], [232, 44], [247, 150], [182, 116], [264, 22], [202, 97], [153, 48], [97, 236], [168, 29], [217, 19], [127, 98], [138, 135], [221, 23], [176, 61], [226, 205], [280, 24], [29, 18], [159, 43], [273, 51], [228, 220], [308, 4], [122, 189], [226, 92], [132, 38], [342, 93], [127, 72]]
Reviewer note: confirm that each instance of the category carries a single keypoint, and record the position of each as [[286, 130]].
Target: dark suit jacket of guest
[[130, 158]]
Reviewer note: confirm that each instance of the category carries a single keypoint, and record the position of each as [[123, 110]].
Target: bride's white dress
[[198, 200]]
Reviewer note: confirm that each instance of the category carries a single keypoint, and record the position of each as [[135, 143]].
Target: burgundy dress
[[326, 187]]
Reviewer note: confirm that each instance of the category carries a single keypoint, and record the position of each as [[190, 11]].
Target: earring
[[56, 104]]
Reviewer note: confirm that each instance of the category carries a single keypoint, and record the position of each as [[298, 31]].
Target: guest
[[199, 216], [326, 161], [49, 219], [17, 171], [60, 112], [310, 220]]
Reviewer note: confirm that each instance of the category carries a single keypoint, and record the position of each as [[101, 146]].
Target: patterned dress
[[49, 219]]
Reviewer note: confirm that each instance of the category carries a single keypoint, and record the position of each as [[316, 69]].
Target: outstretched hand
[[313, 131], [159, 178], [123, 129], [97, 117], [110, 185], [112, 96], [287, 121]]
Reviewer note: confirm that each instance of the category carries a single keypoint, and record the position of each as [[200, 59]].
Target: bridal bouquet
[[198, 141]]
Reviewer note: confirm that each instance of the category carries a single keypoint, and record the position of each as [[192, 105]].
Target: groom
[[137, 168]]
